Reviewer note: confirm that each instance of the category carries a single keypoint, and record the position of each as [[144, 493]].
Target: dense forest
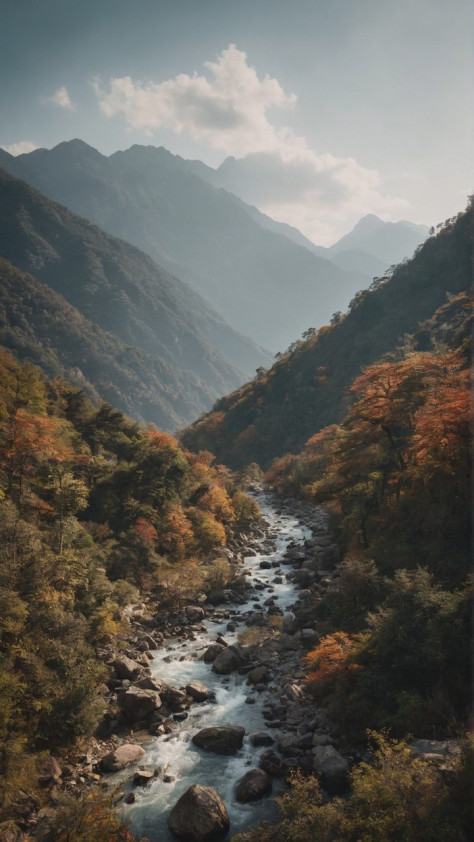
[[93, 512]]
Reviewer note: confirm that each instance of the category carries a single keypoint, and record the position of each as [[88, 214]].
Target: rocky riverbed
[[224, 694], [214, 697]]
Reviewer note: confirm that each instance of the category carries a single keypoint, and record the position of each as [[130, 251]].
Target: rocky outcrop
[[221, 739], [121, 757], [254, 785], [199, 815]]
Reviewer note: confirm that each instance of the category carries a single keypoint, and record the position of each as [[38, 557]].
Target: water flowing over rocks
[[237, 660]]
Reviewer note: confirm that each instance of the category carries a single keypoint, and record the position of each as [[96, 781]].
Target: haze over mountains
[[264, 278], [162, 333], [306, 388]]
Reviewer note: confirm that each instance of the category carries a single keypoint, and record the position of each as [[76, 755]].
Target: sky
[[332, 108]]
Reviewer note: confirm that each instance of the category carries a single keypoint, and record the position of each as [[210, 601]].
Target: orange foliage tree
[[331, 661]]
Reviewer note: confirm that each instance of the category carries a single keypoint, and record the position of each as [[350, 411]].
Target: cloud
[[20, 148], [321, 195], [230, 109], [62, 99]]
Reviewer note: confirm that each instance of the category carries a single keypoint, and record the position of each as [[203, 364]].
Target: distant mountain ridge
[[124, 292], [306, 388], [39, 326], [266, 285]]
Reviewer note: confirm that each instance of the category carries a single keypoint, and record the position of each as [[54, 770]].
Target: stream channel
[[186, 762]]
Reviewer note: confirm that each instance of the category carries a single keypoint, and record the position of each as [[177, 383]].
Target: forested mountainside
[[119, 288], [93, 509], [394, 616], [38, 325], [306, 388], [262, 283]]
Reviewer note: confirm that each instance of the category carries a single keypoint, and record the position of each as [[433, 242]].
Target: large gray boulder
[[332, 768], [121, 757], [136, 703], [254, 785], [228, 660], [221, 739], [199, 815]]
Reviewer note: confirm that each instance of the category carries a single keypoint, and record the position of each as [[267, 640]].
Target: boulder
[[255, 784], [137, 704], [228, 660], [271, 764], [261, 738], [221, 739], [174, 697], [121, 757], [286, 743], [143, 777], [197, 691], [149, 683], [332, 768], [257, 674], [199, 815], [212, 652], [194, 613], [126, 668]]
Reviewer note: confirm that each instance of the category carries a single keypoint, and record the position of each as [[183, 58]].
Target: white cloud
[[62, 99], [20, 148], [229, 109]]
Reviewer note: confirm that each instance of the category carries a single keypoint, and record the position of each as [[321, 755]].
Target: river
[[186, 763]]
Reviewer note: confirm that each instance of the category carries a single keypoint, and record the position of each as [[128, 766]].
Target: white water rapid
[[183, 760]]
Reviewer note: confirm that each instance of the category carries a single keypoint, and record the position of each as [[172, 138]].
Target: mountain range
[[154, 326], [264, 278]]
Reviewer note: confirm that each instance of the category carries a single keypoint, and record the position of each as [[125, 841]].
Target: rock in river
[[222, 739], [230, 659], [199, 815], [197, 691], [255, 784]]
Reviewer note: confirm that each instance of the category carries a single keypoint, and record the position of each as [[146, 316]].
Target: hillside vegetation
[[394, 617], [39, 326], [93, 511], [120, 289], [306, 388]]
